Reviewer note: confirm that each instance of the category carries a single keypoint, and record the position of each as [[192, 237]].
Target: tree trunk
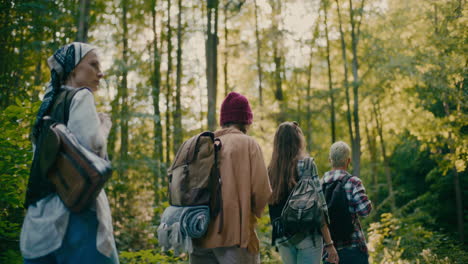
[[309, 86], [372, 144], [38, 34], [278, 80], [259, 60], [458, 203], [168, 85], [308, 99], [277, 52], [211, 61], [18, 73], [299, 91], [330, 81], [356, 155], [37, 79], [226, 53], [177, 116], [82, 34], [115, 113], [6, 20], [345, 79], [124, 95], [157, 129], [379, 123]]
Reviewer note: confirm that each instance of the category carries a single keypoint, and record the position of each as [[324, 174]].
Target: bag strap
[[305, 171], [345, 179], [309, 169], [219, 195]]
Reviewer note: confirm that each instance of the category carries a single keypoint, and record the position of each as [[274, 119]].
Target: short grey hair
[[339, 154]]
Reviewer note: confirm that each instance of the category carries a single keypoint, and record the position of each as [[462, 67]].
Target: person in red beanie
[[245, 191]]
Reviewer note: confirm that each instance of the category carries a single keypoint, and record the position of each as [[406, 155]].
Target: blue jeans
[[305, 251], [352, 255], [79, 243]]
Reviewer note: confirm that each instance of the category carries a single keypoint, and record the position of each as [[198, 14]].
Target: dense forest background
[[387, 76]]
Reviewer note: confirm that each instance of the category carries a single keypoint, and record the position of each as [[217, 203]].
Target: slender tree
[[123, 91], [177, 114], [37, 79], [226, 50], [168, 84], [155, 92], [315, 34], [355, 33], [345, 77], [277, 49], [372, 145], [259, 59], [38, 33], [112, 139], [211, 52], [388, 175], [330, 81], [82, 34]]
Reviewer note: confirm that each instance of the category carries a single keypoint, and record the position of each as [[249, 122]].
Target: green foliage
[[406, 240], [412, 62], [421, 181], [268, 253], [15, 159], [11, 257]]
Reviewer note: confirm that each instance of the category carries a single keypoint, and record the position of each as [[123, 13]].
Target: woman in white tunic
[[51, 233]]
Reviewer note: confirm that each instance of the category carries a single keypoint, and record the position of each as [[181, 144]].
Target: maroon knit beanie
[[236, 109]]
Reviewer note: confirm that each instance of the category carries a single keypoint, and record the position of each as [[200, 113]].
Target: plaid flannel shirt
[[359, 204]]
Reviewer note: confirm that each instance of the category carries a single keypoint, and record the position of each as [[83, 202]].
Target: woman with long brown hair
[[288, 159]]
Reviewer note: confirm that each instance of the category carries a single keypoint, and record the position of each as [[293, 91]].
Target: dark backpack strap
[[345, 179], [343, 182], [219, 195]]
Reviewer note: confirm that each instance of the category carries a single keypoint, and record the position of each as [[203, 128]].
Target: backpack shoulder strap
[[309, 169], [218, 195], [345, 179]]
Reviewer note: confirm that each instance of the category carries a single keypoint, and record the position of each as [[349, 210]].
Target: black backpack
[[302, 209], [341, 222]]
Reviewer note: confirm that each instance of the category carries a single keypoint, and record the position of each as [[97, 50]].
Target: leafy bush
[[268, 253], [394, 240], [15, 160]]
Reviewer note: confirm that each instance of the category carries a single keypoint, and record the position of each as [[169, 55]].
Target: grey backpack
[[302, 209]]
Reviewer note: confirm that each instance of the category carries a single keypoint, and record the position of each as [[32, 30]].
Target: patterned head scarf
[[61, 64]]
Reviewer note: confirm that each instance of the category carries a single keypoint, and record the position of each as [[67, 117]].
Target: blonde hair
[[339, 154]]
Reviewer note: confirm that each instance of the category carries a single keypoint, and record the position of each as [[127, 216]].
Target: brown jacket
[[245, 190]]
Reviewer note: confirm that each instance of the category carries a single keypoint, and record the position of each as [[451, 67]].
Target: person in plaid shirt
[[353, 250]]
